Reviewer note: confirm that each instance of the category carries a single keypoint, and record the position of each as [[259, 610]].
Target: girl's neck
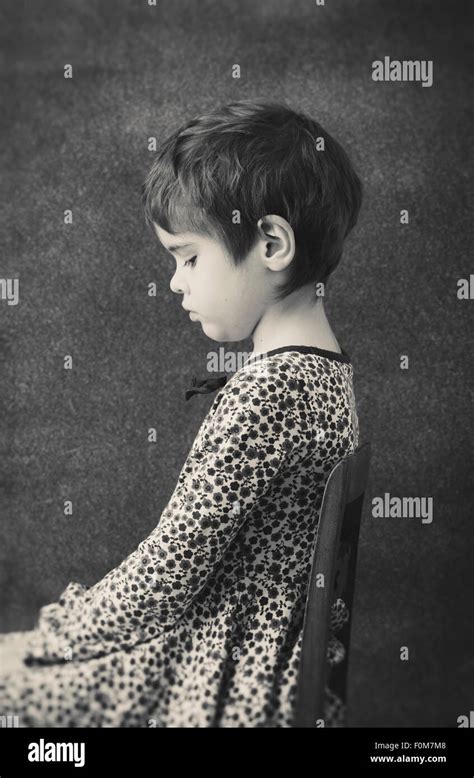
[[302, 325]]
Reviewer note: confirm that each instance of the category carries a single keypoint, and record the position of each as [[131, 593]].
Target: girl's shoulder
[[286, 378]]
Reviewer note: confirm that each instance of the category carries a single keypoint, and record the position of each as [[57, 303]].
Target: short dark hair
[[259, 158]]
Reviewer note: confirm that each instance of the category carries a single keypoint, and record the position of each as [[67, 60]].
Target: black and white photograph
[[236, 370]]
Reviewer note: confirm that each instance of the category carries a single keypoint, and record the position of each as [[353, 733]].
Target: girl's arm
[[152, 588]]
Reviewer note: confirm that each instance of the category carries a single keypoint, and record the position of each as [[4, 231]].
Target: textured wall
[[81, 434]]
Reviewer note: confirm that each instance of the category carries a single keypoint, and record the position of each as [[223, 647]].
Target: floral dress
[[201, 626]]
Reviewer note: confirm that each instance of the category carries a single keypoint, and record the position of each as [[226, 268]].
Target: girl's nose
[[177, 284]]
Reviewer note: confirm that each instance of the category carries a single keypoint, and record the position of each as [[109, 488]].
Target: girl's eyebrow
[[177, 248]]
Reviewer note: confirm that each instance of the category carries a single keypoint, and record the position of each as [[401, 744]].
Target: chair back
[[334, 556]]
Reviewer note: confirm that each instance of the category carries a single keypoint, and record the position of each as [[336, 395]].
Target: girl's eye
[[190, 262]]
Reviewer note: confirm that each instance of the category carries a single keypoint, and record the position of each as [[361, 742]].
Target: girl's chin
[[214, 333]]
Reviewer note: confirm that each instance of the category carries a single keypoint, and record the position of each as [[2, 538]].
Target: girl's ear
[[278, 237]]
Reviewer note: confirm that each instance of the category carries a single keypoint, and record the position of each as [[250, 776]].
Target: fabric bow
[[204, 385]]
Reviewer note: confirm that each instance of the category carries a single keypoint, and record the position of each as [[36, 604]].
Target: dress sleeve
[[231, 465]]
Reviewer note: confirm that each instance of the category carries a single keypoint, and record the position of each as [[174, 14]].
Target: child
[[201, 625]]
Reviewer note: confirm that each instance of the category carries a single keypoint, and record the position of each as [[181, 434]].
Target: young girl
[[201, 625]]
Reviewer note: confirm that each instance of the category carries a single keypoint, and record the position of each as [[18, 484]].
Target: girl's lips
[[191, 314]]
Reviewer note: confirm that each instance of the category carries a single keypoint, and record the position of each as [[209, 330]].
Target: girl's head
[[264, 197]]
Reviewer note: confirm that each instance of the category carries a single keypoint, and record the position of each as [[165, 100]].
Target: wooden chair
[[335, 556]]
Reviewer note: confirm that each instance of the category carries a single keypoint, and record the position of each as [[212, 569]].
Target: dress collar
[[206, 385]]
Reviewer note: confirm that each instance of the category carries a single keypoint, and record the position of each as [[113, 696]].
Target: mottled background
[[140, 71]]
